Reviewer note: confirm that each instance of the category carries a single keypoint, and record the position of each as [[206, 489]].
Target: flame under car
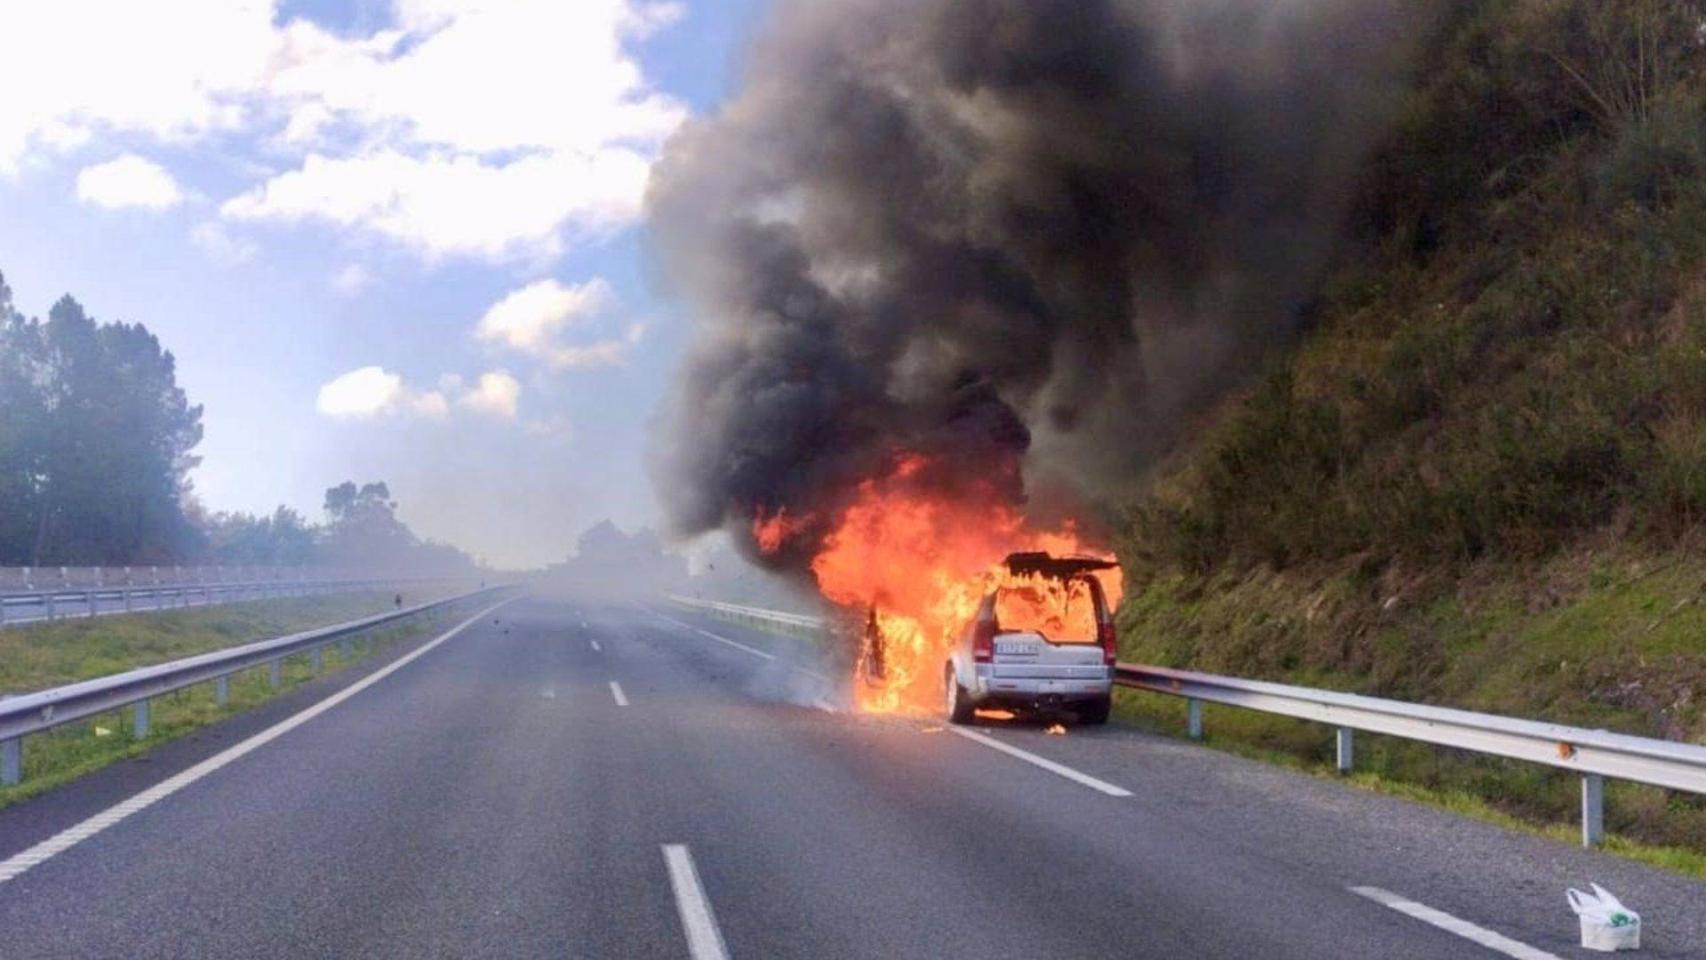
[[1042, 639]]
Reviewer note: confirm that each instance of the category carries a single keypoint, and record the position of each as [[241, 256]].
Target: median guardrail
[[1592, 754], [56, 604], [793, 624], [37, 712]]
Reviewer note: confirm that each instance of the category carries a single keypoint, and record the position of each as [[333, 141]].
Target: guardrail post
[[128, 604], [275, 673], [1593, 809], [222, 690], [1193, 718], [319, 658], [344, 650], [90, 596], [52, 609], [139, 719], [12, 761], [1347, 749]]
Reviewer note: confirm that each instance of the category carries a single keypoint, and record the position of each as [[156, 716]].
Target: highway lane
[[497, 798]]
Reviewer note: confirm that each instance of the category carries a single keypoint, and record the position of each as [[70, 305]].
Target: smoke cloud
[[1026, 238]]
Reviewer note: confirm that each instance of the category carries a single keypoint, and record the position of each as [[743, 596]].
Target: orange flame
[[773, 530], [925, 562]]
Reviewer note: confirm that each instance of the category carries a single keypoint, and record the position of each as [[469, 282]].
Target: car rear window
[[1062, 611]]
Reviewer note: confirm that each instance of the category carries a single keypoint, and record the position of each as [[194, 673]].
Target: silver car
[[1042, 640]]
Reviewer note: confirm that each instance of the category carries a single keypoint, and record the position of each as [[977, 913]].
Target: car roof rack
[[1059, 568]]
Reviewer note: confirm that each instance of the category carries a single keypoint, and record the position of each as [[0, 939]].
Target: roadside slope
[[1479, 478]]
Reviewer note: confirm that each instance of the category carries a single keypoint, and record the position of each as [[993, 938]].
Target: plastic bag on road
[[1607, 925]]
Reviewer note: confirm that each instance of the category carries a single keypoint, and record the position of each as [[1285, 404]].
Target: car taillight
[[1110, 642], [983, 641]]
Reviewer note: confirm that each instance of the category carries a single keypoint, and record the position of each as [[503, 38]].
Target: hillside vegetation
[[1479, 478]]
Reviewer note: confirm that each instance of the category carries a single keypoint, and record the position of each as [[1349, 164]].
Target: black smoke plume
[[1028, 239]]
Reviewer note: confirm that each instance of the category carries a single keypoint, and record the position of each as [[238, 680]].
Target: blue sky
[[395, 241]]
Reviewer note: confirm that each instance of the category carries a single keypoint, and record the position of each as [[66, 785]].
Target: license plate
[[1016, 648]]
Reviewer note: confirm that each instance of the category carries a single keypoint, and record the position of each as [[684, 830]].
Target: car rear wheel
[[960, 710], [1094, 713]]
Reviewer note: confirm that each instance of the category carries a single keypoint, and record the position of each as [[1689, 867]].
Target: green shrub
[[1652, 160]]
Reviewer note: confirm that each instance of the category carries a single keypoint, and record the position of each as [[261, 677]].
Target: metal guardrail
[[13, 579], [1593, 754], [34, 713], [54, 604], [793, 624]]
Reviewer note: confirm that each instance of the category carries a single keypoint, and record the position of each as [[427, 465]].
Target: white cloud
[[443, 204], [128, 181], [430, 404], [494, 131], [463, 128], [351, 280], [362, 393], [534, 318], [371, 392], [220, 245], [530, 318], [600, 353], [495, 393], [74, 69]]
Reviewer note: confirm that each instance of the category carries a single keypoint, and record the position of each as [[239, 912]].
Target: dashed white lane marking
[[704, 940], [720, 639], [821, 702], [616, 691], [71, 836], [595, 647], [1463, 928], [1058, 769]]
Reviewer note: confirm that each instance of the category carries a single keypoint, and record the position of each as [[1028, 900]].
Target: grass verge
[[38, 656], [77, 749]]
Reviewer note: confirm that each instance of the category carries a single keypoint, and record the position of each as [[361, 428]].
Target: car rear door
[[1025, 650]]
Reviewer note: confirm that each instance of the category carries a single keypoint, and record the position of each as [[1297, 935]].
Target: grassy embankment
[[1479, 477], [38, 656]]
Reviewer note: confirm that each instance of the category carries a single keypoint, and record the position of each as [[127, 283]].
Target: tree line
[[97, 441]]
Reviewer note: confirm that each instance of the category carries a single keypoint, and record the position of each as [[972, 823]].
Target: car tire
[[958, 704], [1094, 713]]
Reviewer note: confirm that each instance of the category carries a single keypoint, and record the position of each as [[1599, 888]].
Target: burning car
[[918, 555], [1042, 638]]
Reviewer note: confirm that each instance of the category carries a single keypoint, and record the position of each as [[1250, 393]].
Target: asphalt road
[[598, 781]]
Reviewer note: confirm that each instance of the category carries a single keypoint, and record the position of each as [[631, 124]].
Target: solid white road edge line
[[706, 633], [1451, 924], [704, 940], [71, 836], [616, 691], [1056, 768]]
